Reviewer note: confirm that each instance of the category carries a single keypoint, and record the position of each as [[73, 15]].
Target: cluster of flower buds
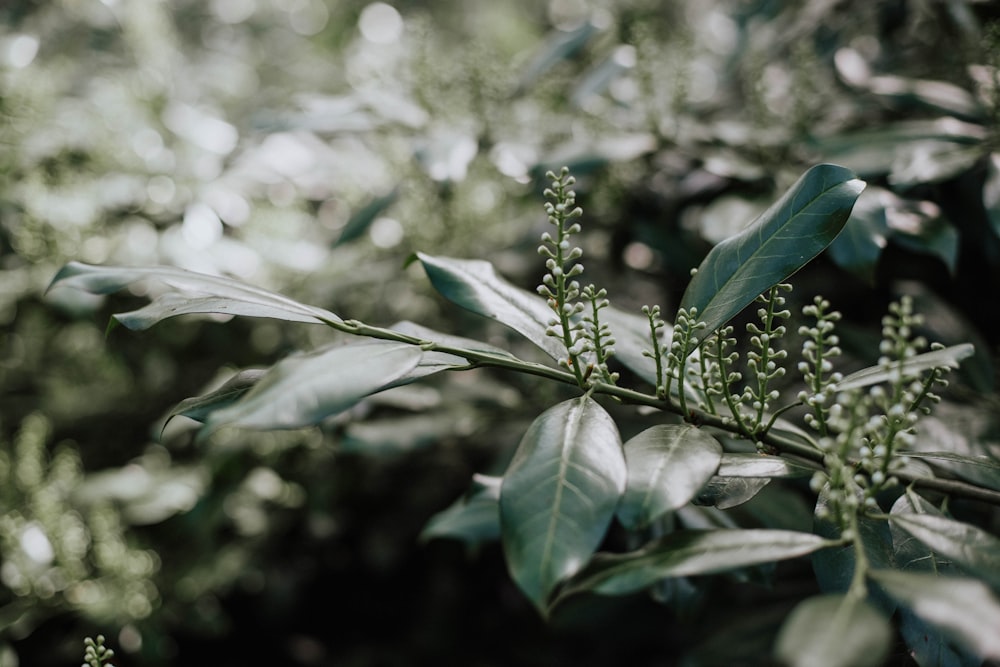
[[764, 359], [820, 346]]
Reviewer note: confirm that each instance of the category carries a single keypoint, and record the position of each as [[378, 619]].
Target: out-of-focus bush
[[311, 146]]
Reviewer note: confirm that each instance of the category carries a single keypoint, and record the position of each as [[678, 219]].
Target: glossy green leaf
[[965, 609], [559, 495], [199, 407], [971, 547], [473, 284], [777, 244], [691, 552], [948, 357], [362, 219], [305, 389], [667, 465], [760, 465], [193, 293], [834, 631]]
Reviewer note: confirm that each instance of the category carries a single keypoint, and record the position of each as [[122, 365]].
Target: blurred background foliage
[[310, 146]]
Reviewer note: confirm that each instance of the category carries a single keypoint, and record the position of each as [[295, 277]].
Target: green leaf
[[199, 407], [971, 547], [777, 244], [691, 552], [559, 45], [834, 631], [473, 284], [944, 358], [728, 492], [473, 519], [835, 567], [667, 465], [192, 293], [928, 644], [362, 219], [305, 389], [761, 465], [965, 609], [858, 248], [982, 470], [559, 495]]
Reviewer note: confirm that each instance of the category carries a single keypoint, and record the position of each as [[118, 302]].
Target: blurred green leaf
[[199, 407], [632, 337], [834, 631], [944, 358], [969, 546], [362, 219], [473, 519], [195, 293], [777, 244], [928, 644], [667, 465], [691, 552], [305, 389], [966, 609], [559, 495]]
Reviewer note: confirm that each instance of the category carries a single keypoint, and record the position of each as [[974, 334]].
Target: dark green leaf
[[969, 546], [305, 389], [667, 465], [777, 244], [834, 631], [474, 519], [874, 152], [965, 609], [691, 552], [928, 644], [928, 235], [199, 407], [193, 293], [474, 285], [835, 567], [944, 358], [559, 495], [362, 219]]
